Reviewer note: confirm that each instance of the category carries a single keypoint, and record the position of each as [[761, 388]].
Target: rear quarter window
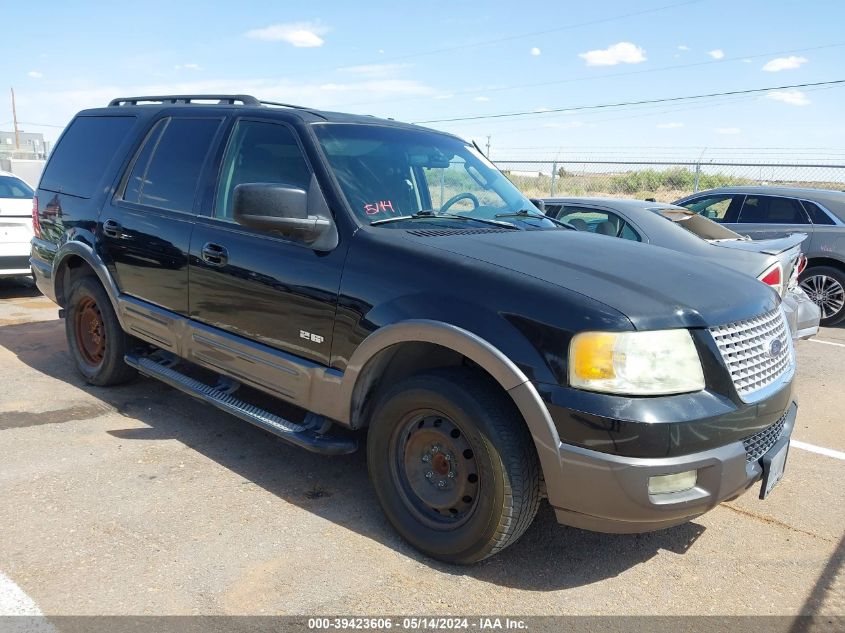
[[817, 215], [82, 156]]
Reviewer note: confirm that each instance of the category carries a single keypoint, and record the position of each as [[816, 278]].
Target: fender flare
[[503, 370], [90, 257]]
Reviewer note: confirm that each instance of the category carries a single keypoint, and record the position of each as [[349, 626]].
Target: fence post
[[697, 174], [554, 175]]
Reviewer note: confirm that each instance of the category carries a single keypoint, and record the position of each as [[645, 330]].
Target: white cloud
[[727, 130], [717, 53], [621, 53], [373, 70], [747, 61], [481, 99], [57, 107], [187, 67], [671, 125], [535, 51], [784, 63], [35, 74], [683, 47], [568, 125], [299, 34], [380, 87], [792, 97], [444, 95]]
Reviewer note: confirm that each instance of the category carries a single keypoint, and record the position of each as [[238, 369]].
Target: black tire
[[474, 412], [825, 285], [95, 338]]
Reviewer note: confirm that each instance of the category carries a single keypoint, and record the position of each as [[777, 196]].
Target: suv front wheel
[[95, 338], [453, 465]]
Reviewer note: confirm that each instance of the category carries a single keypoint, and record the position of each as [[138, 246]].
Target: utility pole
[[488, 147], [15, 119]]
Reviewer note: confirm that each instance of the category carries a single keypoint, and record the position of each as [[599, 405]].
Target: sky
[[418, 62]]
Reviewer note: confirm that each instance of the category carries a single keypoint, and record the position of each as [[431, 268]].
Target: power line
[[556, 29], [60, 127], [620, 104], [615, 75]]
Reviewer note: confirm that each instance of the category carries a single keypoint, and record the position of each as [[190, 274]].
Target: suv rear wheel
[[95, 338], [453, 465], [825, 285]]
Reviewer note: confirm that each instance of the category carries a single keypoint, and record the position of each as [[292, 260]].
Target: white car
[[15, 225]]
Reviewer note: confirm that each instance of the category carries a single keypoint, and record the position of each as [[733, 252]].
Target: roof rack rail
[[248, 100], [282, 105]]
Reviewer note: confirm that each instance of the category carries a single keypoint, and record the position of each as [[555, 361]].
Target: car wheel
[[95, 338], [825, 285], [453, 465]]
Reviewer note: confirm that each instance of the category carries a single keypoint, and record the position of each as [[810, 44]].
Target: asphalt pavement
[[140, 500]]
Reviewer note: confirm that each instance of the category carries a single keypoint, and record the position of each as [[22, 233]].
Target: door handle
[[112, 228], [215, 255]]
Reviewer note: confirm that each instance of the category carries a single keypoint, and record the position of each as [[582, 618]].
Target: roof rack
[[187, 99]]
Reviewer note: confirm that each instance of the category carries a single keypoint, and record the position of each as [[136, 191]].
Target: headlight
[[636, 363]]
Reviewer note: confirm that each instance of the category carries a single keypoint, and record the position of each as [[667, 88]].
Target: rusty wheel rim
[[90, 332]]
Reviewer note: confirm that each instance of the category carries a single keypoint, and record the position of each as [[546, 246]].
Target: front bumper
[[609, 492]]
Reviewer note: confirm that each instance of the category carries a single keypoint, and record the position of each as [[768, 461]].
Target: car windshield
[[392, 175], [15, 188]]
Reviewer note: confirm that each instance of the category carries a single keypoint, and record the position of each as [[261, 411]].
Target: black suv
[[377, 274]]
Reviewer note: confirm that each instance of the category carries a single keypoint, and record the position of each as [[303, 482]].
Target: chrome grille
[[750, 351], [759, 444]]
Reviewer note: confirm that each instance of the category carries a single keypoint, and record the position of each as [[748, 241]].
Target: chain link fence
[[663, 181]]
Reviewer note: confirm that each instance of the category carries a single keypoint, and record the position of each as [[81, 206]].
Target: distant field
[[662, 185]]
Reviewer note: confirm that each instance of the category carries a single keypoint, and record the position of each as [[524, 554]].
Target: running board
[[307, 436]]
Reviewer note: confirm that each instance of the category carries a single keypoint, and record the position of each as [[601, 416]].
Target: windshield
[[392, 173], [14, 188]]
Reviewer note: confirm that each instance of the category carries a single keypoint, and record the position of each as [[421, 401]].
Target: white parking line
[[821, 450], [815, 340], [13, 600]]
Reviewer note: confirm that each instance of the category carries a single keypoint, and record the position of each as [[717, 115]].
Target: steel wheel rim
[[433, 465], [826, 292], [90, 332]]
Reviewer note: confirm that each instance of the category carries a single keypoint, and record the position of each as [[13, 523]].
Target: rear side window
[[713, 207], [83, 154], [14, 188], [771, 210], [817, 216], [166, 169], [597, 221]]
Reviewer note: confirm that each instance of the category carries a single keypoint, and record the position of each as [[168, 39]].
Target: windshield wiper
[[428, 214], [525, 213]]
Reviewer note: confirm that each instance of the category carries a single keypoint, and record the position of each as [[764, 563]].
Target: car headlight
[[635, 363]]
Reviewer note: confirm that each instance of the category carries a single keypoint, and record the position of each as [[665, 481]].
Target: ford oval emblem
[[775, 347]]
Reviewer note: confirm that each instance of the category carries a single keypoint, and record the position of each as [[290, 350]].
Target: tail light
[[802, 263], [773, 276], [36, 223]]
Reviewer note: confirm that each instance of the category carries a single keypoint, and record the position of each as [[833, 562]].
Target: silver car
[[776, 262], [765, 212]]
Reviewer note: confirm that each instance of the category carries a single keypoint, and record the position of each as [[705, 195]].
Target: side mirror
[[539, 203], [279, 208]]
